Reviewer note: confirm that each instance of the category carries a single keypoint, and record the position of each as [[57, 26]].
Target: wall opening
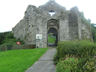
[[52, 37], [52, 32], [52, 12]]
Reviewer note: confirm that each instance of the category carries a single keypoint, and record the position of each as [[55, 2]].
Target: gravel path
[[45, 63]]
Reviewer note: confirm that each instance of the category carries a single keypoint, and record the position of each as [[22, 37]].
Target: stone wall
[[73, 25], [36, 20]]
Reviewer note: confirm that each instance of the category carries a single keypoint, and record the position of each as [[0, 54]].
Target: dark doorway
[[52, 37], [52, 32]]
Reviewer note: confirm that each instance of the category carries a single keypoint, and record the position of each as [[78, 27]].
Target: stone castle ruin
[[51, 18]]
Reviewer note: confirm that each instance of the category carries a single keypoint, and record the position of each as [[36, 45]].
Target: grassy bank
[[19, 60]]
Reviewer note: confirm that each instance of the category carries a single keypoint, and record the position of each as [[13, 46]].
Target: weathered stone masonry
[[68, 24]]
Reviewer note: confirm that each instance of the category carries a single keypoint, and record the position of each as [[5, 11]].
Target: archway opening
[[52, 37], [52, 32]]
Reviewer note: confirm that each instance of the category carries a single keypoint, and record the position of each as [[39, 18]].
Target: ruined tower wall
[[68, 24], [64, 29], [73, 24], [19, 30]]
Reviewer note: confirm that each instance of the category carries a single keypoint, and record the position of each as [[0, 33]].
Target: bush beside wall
[[83, 50], [14, 47]]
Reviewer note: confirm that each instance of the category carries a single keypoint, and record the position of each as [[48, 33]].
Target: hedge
[[84, 51]]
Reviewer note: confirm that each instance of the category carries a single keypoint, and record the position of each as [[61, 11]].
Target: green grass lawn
[[19, 60], [51, 39]]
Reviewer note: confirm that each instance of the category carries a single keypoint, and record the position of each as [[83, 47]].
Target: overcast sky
[[12, 11]]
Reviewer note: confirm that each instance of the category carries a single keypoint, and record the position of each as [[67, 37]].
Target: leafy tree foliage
[[3, 36], [7, 38], [84, 20], [93, 29]]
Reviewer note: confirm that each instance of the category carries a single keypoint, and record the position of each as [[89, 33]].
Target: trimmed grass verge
[[19, 60]]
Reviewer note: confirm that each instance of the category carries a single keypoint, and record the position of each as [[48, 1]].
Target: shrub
[[67, 65], [7, 38], [90, 65], [76, 48], [83, 50]]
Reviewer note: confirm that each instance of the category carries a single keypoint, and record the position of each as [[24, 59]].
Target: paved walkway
[[45, 63]]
